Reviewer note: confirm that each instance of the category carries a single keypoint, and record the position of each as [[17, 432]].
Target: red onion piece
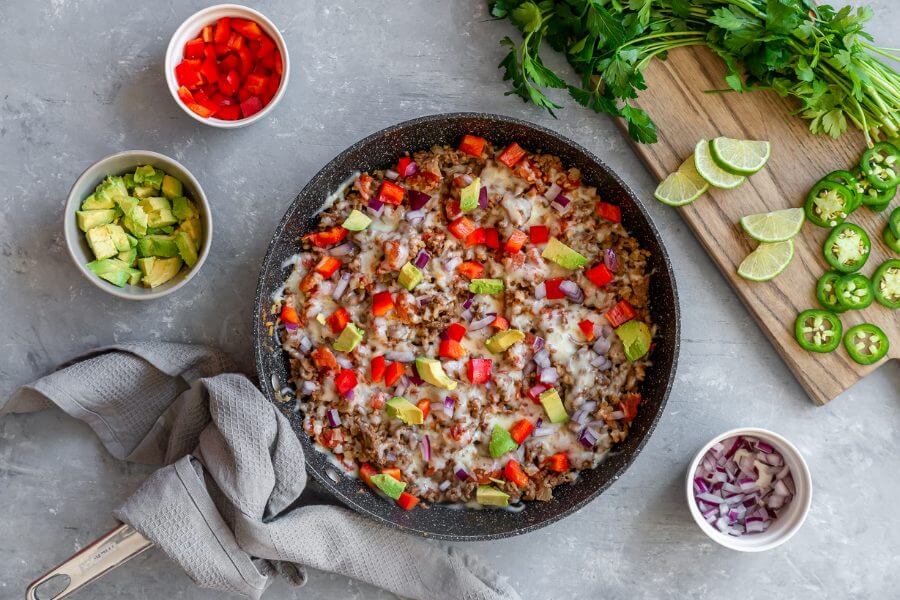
[[422, 259], [426, 448], [444, 485], [588, 438], [468, 303], [391, 174], [342, 249], [414, 216], [548, 376], [375, 205], [611, 260], [572, 291], [291, 326], [308, 387], [482, 322], [542, 358], [404, 356], [538, 343], [461, 473], [601, 346], [552, 192], [483, 197], [417, 199], [561, 204], [449, 405], [411, 169], [334, 419], [540, 291], [341, 286]]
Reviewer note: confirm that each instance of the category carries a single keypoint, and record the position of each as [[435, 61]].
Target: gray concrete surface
[[82, 79]]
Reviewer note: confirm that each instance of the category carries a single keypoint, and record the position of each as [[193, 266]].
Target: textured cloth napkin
[[222, 505]]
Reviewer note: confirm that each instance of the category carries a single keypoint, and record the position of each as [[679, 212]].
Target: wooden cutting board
[[683, 113]]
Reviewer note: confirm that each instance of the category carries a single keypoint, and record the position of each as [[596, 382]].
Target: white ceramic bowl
[[788, 522], [191, 28], [118, 164]]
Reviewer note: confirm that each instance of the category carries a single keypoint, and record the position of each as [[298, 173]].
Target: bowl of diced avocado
[[137, 224]]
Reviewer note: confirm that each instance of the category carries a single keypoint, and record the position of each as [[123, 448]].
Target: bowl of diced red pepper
[[227, 66]]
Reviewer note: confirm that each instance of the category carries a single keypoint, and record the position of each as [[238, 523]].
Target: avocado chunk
[[356, 221], [142, 173], [146, 264], [95, 202], [171, 187], [183, 208], [491, 496], [432, 371], [128, 178], [135, 221], [563, 255], [126, 203], [101, 243], [501, 442], [410, 276], [186, 249], [193, 229], [553, 405], [401, 408], [387, 484], [112, 270], [635, 336], [155, 203], [157, 245], [349, 338], [143, 191], [161, 271], [88, 219], [499, 342], [117, 235], [132, 240], [161, 218], [468, 196], [128, 257], [486, 286], [155, 180]]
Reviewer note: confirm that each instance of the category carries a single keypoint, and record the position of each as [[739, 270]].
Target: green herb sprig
[[815, 54]]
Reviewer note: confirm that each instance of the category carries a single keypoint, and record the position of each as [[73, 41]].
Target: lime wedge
[[710, 171], [740, 157], [767, 261], [776, 226], [681, 187]]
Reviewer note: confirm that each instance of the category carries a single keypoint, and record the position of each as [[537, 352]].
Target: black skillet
[[380, 150]]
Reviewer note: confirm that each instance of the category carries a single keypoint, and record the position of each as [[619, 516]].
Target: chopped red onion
[[422, 259], [616, 415], [417, 199], [391, 174], [542, 432], [461, 473], [308, 387], [349, 394], [542, 358], [700, 485], [580, 416], [611, 260], [449, 405], [588, 438], [549, 376], [483, 197], [466, 177], [411, 169], [540, 291], [561, 204], [291, 326], [423, 300], [445, 483], [403, 356], [482, 322], [426, 448], [375, 205], [552, 192], [536, 390], [466, 314], [572, 291], [341, 286], [342, 249], [414, 216], [468, 303], [538, 343], [601, 346], [764, 447], [344, 362], [416, 380], [334, 419]]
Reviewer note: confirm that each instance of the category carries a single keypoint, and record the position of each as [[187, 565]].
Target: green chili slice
[[872, 197], [849, 181], [818, 330], [880, 165], [826, 292], [891, 240], [854, 291], [866, 343], [847, 248], [886, 283], [828, 203]]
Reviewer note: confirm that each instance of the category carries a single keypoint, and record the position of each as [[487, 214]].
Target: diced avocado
[[387, 484], [101, 243], [486, 286], [126, 203], [410, 276], [349, 338], [117, 186], [499, 342], [128, 257], [112, 270], [157, 245], [163, 269], [432, 371], [501, 442], [128, 178], [132, 240], [563, 255], [171, 187], [193, 229], [322, 319], [135, 221], [143, 172], [161, 218], [553, 405], [146, 264], [401, 408], [167, 230], [134, 276], [468, 196], [183, 208], [155, 180], [491, 496], [95, 202], [88, 219], [635, 336], [155, 203], [117, 235], [186, 249], [356, 221], [143, 191]]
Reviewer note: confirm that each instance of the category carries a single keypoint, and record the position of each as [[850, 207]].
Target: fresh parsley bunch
[[820, 56]]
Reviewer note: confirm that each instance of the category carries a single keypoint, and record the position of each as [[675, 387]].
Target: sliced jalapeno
[[854, 291], [886, 283], [849, 181], [866, 343], [826, 292], [879, 164], [890, 240], [847, 248], [871, 196], [818, 330], [894, 222], [828, 203]]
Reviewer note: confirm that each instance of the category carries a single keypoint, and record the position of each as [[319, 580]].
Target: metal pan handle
[[92, 562]]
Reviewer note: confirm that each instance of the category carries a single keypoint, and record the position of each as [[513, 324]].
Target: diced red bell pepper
[[587, 328], [222, 31], [535, 391], [365, 473], [393, 472], [558, 462], [345, 381], [620, 313], [553, 291], [229, 113], [221, 49], [451, 349], [194, 48], [610, 212], [246, 63], [511, 155], [235, 41], [209, 51], [492, 238], [255, 84], [500, 323], [188, 75], [479, 236], [425, 406], [210, 70], [327, 266], [289, 315], [376, 369], [205, 101], [279, 64], [479, 370], [539, 234], [251, 106], [338, 320], [185, 95], [514, 473], [266, 47], [230, 83], [456, 332], [629, 406], [391, 193], [207, 34], [248, 29], [393, 373], [402, 165], [407, 501], [461, 228], [520, 430], [230, 63], [470, 269], [472, 145], [382, 303], [452, 208], [599, 275], [329, 237], [515, 241], [324, 358]]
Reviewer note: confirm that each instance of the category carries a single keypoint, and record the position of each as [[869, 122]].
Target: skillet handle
[[92, 562]]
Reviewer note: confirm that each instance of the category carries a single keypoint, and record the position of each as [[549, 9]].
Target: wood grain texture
[[683, 113]]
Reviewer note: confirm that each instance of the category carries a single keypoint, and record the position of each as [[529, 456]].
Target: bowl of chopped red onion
[[749, 489]]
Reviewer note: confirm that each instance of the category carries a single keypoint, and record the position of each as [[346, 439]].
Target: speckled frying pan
[[382, 149]]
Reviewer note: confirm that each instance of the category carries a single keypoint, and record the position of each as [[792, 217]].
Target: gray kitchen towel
[[222, 505]]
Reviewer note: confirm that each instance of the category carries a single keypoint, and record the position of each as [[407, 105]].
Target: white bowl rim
[[802, 481], [69, 211], [240, 11]]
